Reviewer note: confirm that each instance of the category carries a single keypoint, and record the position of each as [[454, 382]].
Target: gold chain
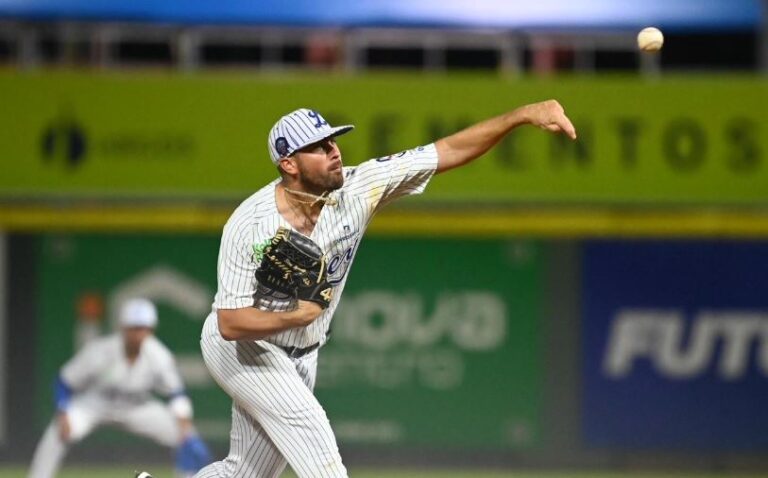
[[325, 197], [307, 219]]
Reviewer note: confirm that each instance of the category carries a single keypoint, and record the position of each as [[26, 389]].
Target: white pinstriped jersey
[[101, 369], [339, 229]]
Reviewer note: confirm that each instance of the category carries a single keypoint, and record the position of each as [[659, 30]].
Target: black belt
[[296, 352]]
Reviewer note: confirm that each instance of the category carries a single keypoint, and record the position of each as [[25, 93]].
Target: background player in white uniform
[[110, 381], [263, 350]]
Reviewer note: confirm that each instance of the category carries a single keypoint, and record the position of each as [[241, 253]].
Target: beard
[[318, 183]]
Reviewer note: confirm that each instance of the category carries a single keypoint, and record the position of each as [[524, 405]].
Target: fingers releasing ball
[[650, 39]]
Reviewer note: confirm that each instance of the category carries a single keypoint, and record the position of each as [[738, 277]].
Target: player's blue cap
[[298, 129], [138, 313]]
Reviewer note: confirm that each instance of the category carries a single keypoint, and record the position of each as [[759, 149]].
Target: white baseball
[[650, 39]]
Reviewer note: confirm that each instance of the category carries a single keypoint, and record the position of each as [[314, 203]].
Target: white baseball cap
[[298, 129], [138, 313]]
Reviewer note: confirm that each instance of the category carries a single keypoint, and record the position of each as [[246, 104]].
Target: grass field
[[70, 472]]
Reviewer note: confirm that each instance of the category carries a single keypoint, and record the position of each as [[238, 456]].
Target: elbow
[[226, 330], [229, 337], [181, 407]]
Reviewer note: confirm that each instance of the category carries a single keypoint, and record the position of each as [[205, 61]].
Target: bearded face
[[320, 166], [320, 180]]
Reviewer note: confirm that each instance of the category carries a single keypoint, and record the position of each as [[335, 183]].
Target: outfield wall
[[529, 352]]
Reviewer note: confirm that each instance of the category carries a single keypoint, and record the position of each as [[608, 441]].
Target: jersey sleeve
[[236, 267], [390, 177], [81, 369]]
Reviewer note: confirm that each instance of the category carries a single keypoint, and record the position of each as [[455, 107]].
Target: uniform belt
[[123, 397], [296, 352]]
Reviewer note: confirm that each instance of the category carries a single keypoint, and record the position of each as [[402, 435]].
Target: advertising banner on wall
[[680, 140], [418, 354], [676, 345]]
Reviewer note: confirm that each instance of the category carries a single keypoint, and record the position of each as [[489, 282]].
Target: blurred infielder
[[110, 381], [283, 262]]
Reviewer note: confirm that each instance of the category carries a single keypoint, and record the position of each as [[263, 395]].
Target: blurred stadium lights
[[432, 35], [433, 13]]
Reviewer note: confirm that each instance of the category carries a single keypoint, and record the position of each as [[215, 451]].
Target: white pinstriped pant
[[276, 419]]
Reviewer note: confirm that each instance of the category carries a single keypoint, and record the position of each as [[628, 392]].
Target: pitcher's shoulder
[[254, 207]]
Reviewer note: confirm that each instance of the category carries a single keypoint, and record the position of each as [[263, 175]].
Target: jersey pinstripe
[[339, 230]]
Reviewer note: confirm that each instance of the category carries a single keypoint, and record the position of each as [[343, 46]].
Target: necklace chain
[[325, 197], [308, 221]]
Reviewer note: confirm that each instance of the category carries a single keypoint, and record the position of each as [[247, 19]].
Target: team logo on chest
[[339, 263]]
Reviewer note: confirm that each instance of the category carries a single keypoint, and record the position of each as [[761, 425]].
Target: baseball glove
[[294, 265]]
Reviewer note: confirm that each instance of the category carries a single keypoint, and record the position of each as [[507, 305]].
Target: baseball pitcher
[[284, 259]]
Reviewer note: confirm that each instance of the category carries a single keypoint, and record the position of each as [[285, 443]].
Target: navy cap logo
[[281, 146]]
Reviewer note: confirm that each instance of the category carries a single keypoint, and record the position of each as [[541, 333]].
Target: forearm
[[470, 143], [253, 324], [185, 428], [462, 147], [181, 407]]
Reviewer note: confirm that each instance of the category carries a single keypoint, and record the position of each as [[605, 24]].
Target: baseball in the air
[[650, 39]]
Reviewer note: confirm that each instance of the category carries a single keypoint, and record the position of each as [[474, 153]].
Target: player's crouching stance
[[110, 381]]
